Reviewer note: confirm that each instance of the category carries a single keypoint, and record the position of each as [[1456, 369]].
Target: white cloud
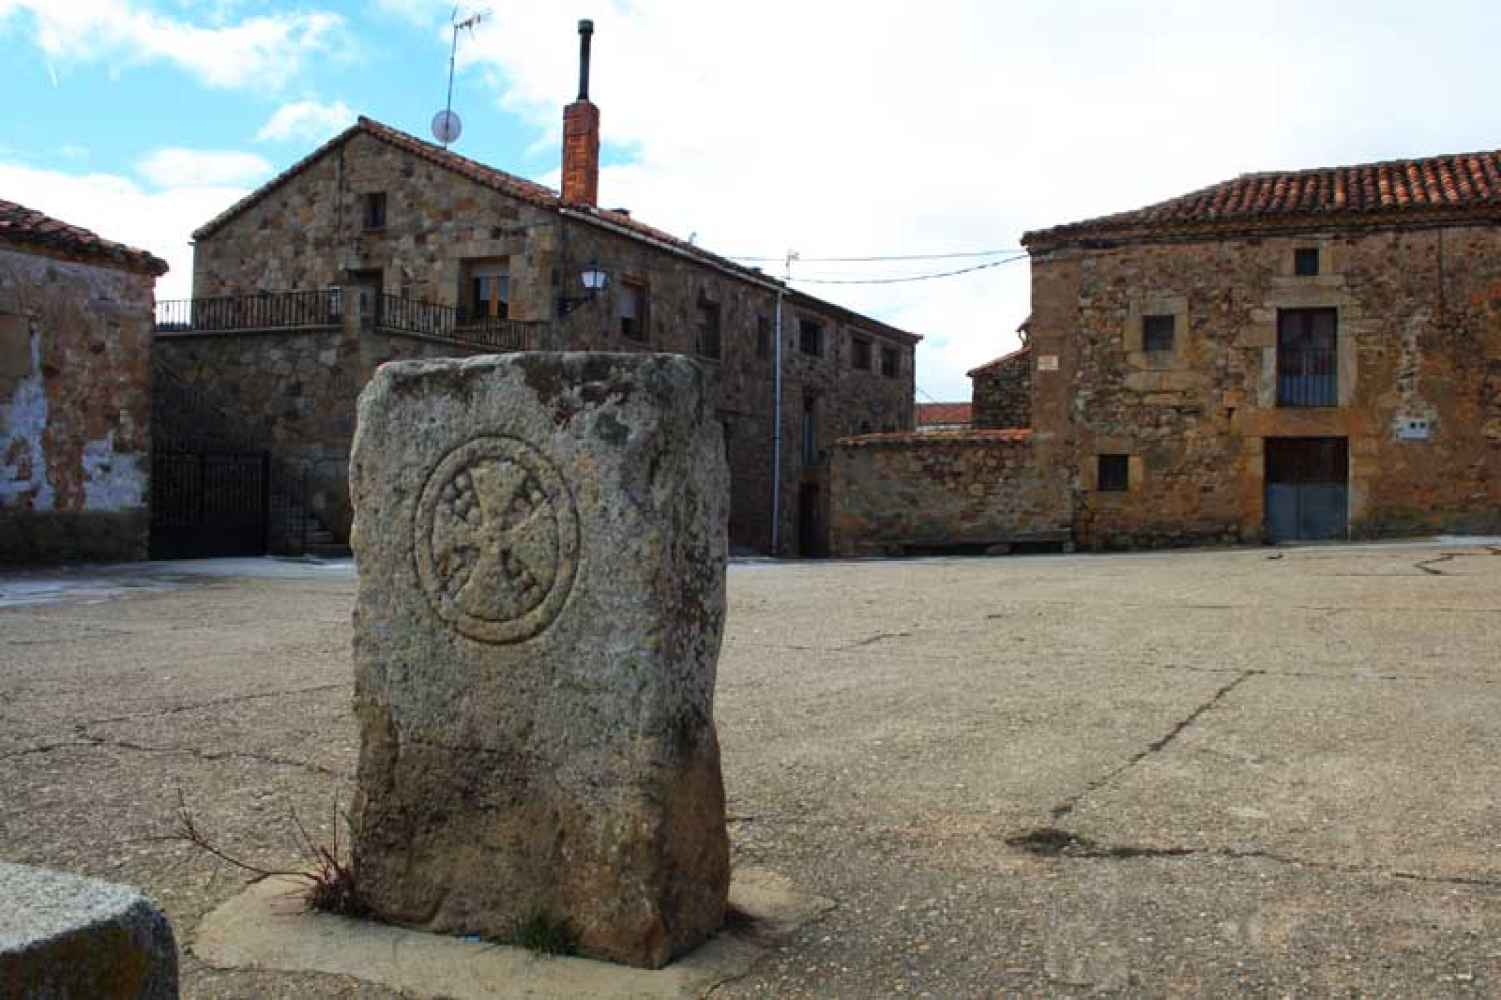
[[118, 209], [175, 167], [306, 121], [262, 51], [867, 127]]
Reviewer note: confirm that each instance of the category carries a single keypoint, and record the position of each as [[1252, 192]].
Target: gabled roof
[[1463, 184], [929, 414], [28, 227], [996, 363]]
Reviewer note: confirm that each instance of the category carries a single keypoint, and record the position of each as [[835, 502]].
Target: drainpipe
[[776, 431]]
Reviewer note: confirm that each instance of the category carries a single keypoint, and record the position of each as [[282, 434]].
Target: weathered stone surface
[[64, 937], [541, 546]]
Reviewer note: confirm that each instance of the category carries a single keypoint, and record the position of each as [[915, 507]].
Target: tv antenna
[[446, 124]]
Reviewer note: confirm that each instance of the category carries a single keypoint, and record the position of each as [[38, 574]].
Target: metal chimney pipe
[[586, 30]]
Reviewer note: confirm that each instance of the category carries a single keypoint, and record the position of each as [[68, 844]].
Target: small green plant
[[544, 934]]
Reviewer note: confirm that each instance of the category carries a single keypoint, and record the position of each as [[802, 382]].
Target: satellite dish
[[447, 127]]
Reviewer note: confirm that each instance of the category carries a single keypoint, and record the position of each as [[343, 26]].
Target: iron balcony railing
[[429, 319], [261, 311], [1307, 377]]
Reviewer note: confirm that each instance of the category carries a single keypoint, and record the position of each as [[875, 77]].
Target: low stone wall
[[895, 493]]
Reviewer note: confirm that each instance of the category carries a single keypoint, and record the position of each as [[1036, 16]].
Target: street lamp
[[594, 280]]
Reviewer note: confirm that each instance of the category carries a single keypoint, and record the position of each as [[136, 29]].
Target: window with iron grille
[[1114, 474], [890, 365], [375, 210], [860, 353], [810, 429], [709, 345], [1307, 357], [810, 337], [1306, 262], [1157, 332], [631, 306]]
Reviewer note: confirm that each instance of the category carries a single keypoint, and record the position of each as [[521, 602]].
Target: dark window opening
[[889, 364], [631, 306], [489, 297], [709, 345], [810, 430], [1114, 474], [810, 337], [1307, 357], [1306, 262], [860, 353], [763, 337], [1157, 333], [375, 210]]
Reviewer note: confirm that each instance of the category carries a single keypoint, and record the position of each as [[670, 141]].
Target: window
[[860, 353], [763, 337], [489, 296], [708, 330], [1306, 262], [375, 210], [1114, 474], [810, 429], [889, 365], [630, 307], [1307, 358], [810, 337], [1157, 333]]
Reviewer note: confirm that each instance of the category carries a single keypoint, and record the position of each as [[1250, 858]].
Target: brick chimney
[[581, 135]]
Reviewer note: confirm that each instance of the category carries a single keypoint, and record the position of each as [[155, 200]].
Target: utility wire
[[865, 260], [910, 277]]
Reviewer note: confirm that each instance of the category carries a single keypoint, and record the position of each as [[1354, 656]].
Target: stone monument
[[541, 544]]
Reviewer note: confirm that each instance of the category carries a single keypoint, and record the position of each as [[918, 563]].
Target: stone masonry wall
[[75, 348], [898, 492], [308, 233], [1419, 337], [1002, 392]]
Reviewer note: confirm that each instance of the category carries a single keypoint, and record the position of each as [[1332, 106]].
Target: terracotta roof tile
[[28, 227], [1464, 183], [929, 414]]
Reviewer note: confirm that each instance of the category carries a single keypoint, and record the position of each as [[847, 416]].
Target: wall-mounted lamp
[[594, 281]]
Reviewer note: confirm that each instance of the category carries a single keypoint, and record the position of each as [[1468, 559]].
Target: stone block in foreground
[[64, 937], [541, 544]]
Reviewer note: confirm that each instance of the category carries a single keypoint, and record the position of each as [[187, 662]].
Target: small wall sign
[[1047, 362]]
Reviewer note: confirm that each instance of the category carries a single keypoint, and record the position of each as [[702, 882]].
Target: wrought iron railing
[[260, 311], [429, 319], [1307, 377]]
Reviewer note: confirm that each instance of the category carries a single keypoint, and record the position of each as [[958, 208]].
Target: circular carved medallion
[[497, 539]]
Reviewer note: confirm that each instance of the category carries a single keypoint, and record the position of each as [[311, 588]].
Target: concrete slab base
[[265, 927]]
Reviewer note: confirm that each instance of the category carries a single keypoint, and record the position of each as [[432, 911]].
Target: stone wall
[[75, 349], [979, 490], [1002, 391], [308, 233], [1419, 338]]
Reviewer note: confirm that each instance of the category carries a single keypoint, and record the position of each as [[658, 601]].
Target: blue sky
[[837, 128]]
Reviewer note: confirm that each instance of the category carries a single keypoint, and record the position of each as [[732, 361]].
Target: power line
[[910, 277], [866, 260]]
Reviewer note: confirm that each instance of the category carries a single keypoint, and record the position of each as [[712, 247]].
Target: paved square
[[1249, 771]]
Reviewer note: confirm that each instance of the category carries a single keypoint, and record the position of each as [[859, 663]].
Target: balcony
[[1307, 377], [325, 308]]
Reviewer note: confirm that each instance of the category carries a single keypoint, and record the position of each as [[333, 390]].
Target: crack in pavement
[[1051, 842], [212, 703], [90, 741], [1156, 746], [1312, 675], [1427, 564], [873, 639]]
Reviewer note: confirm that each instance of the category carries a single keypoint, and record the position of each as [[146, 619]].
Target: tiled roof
[[1463, 184], [995, 363], [942, 413], [1016, 435], [28, 227]]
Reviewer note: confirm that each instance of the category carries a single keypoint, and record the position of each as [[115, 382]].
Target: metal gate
[[1307, 488], [209, 503]]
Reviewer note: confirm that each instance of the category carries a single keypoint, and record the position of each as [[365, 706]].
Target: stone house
[[1288, 355], [75, 402], [379, 245], [933, 417], [1001, 390]]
